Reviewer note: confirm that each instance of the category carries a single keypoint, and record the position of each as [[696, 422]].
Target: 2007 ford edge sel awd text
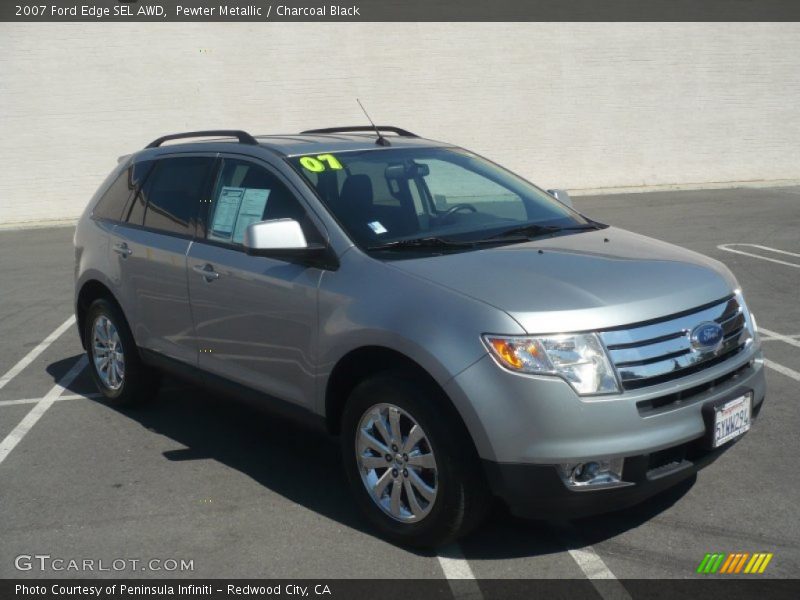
[[467, 335]]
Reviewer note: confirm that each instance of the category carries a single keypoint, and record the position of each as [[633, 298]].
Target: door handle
[[207, 271], [122, 249]]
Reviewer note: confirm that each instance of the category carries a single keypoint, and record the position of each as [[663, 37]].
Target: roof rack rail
[[391, 128], [243, 136]]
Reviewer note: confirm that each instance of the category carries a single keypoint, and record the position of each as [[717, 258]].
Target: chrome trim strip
[[663, 350], [641, 335], [673, 365], [650, 351]]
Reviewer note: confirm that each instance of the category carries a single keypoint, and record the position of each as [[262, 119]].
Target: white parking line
[[786, 339], [767, 338], [458, 573], [19, 432], [769, 249], [727, 248], [782, 370], [603, 580], [31, 356], [59, 399], [89, 396]]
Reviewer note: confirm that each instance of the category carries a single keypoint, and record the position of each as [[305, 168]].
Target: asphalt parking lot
[[244, 494]]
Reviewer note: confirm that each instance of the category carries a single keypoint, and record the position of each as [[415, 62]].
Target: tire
[[460, 498], [135, 383]]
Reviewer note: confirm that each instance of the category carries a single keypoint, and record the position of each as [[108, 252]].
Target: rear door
[[151, 246], [255, 317]]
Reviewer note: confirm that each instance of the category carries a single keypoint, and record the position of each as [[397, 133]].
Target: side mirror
[[284, 239], [562, 196], [278, 234]]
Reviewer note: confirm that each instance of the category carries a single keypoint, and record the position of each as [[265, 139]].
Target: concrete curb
[[38, 224], [684, 187]]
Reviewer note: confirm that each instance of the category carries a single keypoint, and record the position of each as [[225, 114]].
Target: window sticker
[[320, 163], [377, 227], [251, 211], [235, 209], [225, 211]]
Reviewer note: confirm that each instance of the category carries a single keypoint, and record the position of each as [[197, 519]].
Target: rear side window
[[113, 202], [172, 193]]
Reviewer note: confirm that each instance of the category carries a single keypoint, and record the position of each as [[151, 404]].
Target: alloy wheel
[[396, 463], [107, 353]]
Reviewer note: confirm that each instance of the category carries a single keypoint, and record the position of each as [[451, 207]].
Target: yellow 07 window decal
[[320, 163]]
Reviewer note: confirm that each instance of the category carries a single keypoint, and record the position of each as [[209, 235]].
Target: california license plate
[[732, 419]]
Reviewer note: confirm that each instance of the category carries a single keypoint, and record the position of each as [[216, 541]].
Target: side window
[[247, 193], [173, 192], [112, 204], [138, 175], [114, 200]]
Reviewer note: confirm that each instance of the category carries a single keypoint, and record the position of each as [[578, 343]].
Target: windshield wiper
[[437, 242], [534, 230], [424, 242]]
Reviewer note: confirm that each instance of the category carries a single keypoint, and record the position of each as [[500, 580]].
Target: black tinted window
[[248, 193], [113, 202], [135, 212], [173, 193]]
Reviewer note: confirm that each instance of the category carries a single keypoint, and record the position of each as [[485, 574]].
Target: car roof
[[309, 143], [286, 145]]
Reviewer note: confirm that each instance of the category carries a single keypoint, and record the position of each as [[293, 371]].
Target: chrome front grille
[[654, 352]]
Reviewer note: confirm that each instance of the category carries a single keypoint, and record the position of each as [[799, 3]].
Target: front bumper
[[537, 491], [515, 418], [523, 426]]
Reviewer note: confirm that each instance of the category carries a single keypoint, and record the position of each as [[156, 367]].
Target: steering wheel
[[458, 207]]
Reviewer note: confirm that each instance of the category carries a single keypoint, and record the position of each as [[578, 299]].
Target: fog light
[[586, 472], [596, 474]]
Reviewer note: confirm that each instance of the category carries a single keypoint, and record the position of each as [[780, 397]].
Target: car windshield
[[431, 197]]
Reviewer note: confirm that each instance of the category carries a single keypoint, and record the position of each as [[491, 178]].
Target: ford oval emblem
[[706, 337]]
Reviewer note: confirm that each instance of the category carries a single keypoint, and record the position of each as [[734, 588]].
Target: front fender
[[368, 303]]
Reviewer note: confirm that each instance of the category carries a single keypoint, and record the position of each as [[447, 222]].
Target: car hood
[[582, 281]]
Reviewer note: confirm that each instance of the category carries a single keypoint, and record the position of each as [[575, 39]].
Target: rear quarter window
[[113, 201], [112, 204]]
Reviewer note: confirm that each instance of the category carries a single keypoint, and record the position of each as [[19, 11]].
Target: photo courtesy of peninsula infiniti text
[[469, 337]]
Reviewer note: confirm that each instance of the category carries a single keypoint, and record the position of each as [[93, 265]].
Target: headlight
[[579, 358]]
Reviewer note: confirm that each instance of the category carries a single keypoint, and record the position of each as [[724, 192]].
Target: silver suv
[[465, 333]]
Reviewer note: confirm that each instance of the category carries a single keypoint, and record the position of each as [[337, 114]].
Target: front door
[[255, 317]]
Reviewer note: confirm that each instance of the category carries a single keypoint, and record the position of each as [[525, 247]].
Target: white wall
[[573, 105]]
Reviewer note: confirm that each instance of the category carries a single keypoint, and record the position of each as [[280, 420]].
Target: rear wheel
[[114, 359], [413, 470]]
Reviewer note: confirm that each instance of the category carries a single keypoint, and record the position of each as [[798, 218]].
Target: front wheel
[[409, 462]]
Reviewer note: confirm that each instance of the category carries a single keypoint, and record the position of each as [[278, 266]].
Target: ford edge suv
[[466, 334]]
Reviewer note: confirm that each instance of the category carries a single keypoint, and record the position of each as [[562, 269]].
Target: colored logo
[[707, 336], [734, 563]]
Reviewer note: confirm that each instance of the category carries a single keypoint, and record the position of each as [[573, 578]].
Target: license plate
[[732, 419]]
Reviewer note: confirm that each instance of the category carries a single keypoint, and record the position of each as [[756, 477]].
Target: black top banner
[[398, 10]]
